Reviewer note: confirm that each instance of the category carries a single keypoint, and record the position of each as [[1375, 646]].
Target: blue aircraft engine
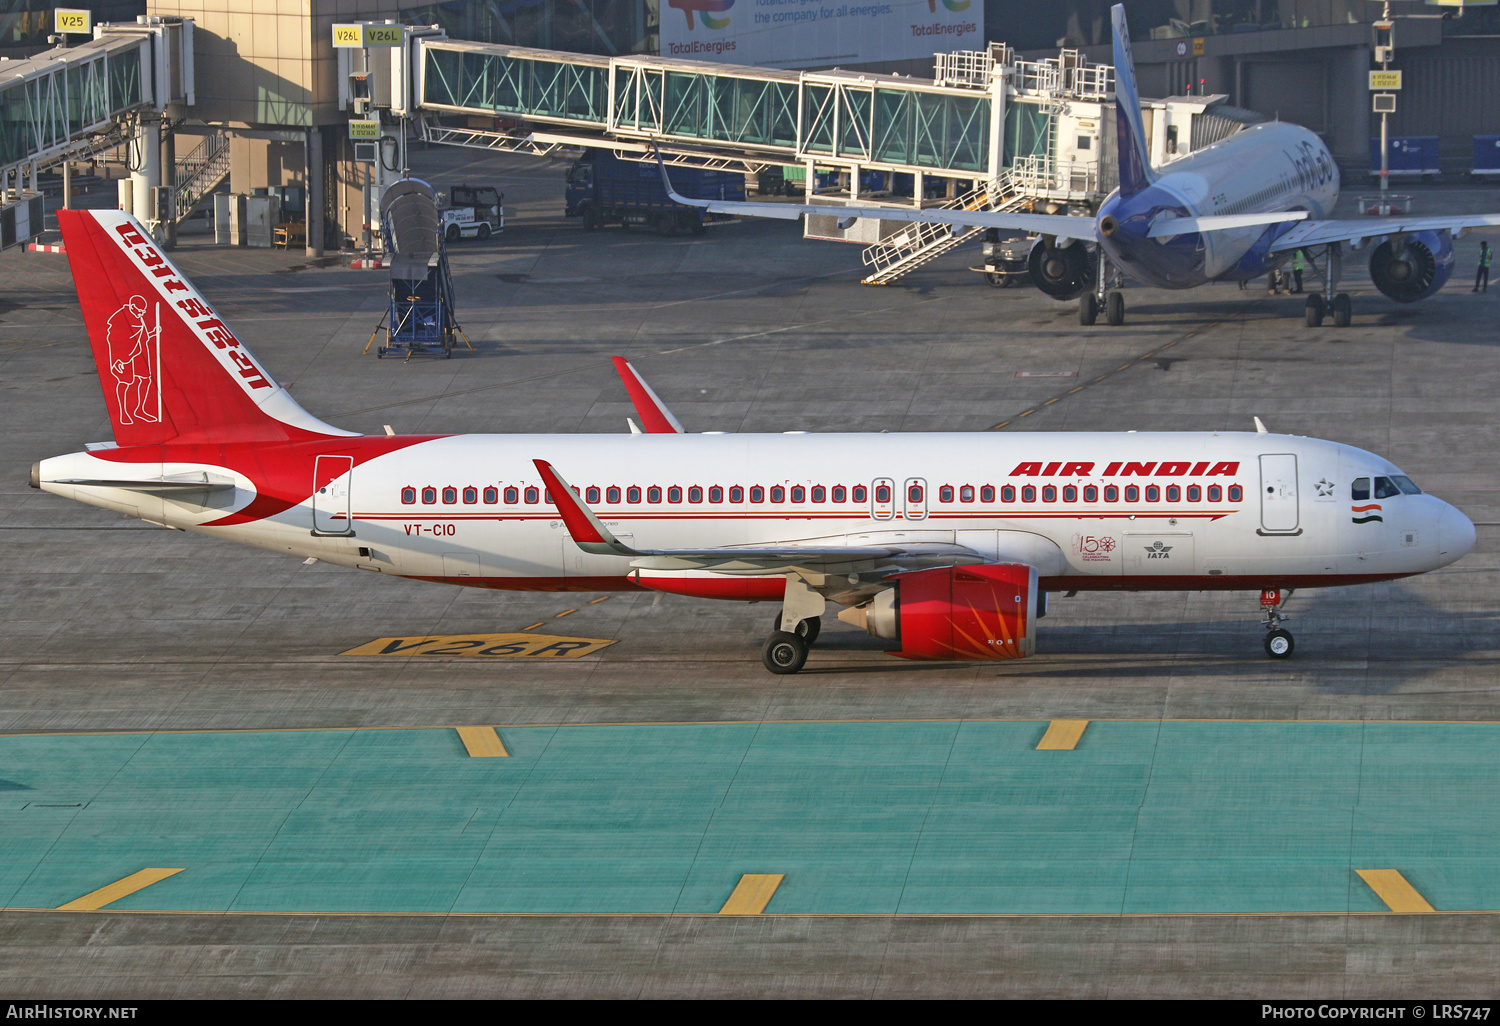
[[1063, 273], [1419, 268]]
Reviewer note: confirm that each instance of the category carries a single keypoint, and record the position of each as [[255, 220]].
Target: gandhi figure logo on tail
[[134, 348]]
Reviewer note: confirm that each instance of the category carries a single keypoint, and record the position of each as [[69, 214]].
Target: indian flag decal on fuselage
[[1368, 514]]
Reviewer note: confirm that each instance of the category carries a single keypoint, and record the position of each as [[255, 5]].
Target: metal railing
[[199, 174], [920, 243]]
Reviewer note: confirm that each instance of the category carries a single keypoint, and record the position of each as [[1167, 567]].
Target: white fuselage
[[1148, 510]]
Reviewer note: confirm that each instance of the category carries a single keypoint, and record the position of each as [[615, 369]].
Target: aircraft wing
[[648, 405], [590, 535], [1320, 233], [1036, 224]]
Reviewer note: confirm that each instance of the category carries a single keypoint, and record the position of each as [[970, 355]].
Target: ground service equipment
[[603, 189], [421, 318], [472, 212]]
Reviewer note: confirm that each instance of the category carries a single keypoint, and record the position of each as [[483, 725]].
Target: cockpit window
[[1360, 490], [1407, 486], [1385, 488]]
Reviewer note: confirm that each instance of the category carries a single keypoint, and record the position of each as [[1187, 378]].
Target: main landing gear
[[1279, 643], [1332, 304], [786, 651], [1105, 296]]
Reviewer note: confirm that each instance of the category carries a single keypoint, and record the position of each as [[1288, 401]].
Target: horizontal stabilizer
[[1186, 225]]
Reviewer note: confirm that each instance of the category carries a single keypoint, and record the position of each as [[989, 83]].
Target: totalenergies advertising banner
[[818, 33]]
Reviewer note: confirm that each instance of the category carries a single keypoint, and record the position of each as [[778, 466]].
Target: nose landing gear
[[1279, 642]]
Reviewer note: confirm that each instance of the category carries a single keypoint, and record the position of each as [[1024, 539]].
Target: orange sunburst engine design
[[969, 612]]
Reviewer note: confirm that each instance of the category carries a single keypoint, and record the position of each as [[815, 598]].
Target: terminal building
[[263, 99]]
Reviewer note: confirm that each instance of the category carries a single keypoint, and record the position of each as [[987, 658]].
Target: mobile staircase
[[920, 243], [421, 319]]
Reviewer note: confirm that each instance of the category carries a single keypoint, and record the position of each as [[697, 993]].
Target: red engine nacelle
[[958, 612]]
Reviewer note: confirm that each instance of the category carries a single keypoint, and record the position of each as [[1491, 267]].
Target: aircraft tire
[[808, 630], [1279, 644], [1343, 310], [1088, 308], [1114, 308], [783, 653], [1313, 311]]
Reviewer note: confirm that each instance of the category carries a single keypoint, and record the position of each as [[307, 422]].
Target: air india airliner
[[942, 544]]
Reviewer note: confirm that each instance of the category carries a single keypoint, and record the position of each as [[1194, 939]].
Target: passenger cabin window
[[653, 494], [1236, 493], [674, 493], [778, 493], [987, 493], [945, 493], [1111, 493], [1153, 493], [858, 493], [512, 496], [736, 494], [799, 494], [591, 494], [1090, 493], [1215, 493], [819, 493], [1028, 493], [1174, 494], [757, 493], [450, 495], [471, 495], [966, 493], [882, 493], [1070, 493], [914, 493], [633, 494], [1385, 488], [408, 495], [715, 493], [1049, 493], [1132, 493], [491, 495], [839, 493], [1360, 490], [1008, 493], [532, 495], [1195, 494], [695, 493], [429, 495], [612, 494]]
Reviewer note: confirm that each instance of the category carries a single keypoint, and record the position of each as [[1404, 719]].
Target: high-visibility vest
[[1297, 260], [1485, 256]]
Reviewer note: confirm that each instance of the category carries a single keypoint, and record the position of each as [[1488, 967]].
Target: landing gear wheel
[[1313, 311], [783, 653], [1343, 310], [1088, 308], [808, 630], [1279, 644], [484, 232], [590, 218], [1114, 308]]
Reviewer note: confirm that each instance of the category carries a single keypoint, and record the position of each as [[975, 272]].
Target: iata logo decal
[[702, 7], [1094, 549], [134, 355], [1156, 550], [1366, 510]]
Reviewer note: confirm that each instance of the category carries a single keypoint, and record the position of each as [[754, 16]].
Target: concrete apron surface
[[975, 817]]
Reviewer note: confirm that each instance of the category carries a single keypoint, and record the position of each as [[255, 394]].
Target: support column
[[168, 217], [67, 173], [147, 149], [313, 148]]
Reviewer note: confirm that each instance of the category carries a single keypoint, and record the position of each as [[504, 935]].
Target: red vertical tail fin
[[171, 370]]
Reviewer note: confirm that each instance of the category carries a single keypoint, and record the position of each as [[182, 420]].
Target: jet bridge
[[71, 102]]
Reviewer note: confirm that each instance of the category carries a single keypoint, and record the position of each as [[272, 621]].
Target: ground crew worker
[[1297, 270], [1482, 276]]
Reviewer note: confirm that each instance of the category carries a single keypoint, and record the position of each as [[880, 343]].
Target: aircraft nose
[[1455, 534]]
